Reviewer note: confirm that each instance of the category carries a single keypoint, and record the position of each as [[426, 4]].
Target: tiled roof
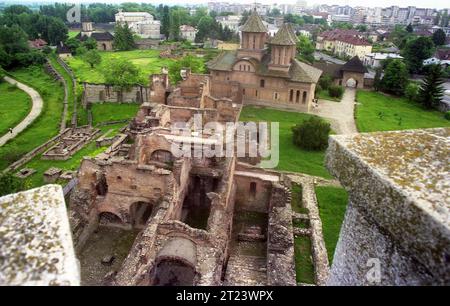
[[354, 65], [354, 41], [285, 36], [224, 61], [254, 24], [98, 36]]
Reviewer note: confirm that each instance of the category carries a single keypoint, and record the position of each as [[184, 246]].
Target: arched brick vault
[[122, 206]]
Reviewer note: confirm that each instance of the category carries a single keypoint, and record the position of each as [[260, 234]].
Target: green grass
[[46, 125], [66, 76], [103, 112], [73, 163], [323, 94], [15, 105], [148, 61], [73, 33], [292, 158], [377, 112], [296, 201], [303, 262], [332, 205]]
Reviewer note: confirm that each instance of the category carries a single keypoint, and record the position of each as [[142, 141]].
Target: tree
[[123, 38], [10, 184], [205, 28], [189, 62], [174, 29], [244, 17], [412, 91], [325, 81], [92, 57], [416, 51], [361, 28], [311, 134], [439, 37], [395, 77], [2, 74], [306, 49], [90, 43], [165, 22], [431, 91], [377, 80], [409, 28], [73, 44], [122, 74], [335, 91]]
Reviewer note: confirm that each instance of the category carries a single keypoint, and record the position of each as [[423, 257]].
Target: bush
[[10, 184], [312, 134], [335, 91], [447, 115], [412, 91], [325, 81]]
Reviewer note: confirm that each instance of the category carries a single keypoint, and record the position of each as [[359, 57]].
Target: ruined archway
[[162, 156], [109, 218], [140, 212], [175, 264]]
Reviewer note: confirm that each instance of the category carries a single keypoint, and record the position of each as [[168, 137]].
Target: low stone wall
[[396, 229], [93, 93]]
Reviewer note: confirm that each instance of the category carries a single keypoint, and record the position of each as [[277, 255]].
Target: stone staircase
[[246, 271]]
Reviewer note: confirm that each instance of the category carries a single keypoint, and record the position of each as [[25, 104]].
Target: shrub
[[325, 81], [10, 184], [412, 91], [447, 115], [335, 91], [311, 134]]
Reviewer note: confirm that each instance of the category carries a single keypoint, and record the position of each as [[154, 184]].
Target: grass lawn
[[296, 201], [332, 204], [304, 267], [15, 105], [323, 94], [73, 163], [66, 76], [292, 158], [73, 33], [46, 125], [147, 60], [377, 112], [103, 112]]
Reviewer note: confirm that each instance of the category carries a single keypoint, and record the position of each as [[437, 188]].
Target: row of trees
[[396, 81]]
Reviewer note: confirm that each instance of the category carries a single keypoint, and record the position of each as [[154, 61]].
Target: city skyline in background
[[439, 4]]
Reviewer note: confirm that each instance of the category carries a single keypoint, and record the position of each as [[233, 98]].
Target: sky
[[370, 3]]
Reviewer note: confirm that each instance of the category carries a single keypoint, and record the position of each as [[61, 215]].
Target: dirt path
[[32, 115], [339, 113]]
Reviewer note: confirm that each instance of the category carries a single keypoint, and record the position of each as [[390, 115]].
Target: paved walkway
[[340, 114], [32, 115]]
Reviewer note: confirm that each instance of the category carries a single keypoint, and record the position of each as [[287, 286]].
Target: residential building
[[141, 23], [188, 32], [374, 60], [231, 21]]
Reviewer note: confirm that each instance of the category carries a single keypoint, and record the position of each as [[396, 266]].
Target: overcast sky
[[370, 3]]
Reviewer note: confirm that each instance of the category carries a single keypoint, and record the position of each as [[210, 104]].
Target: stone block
[[398, 219]]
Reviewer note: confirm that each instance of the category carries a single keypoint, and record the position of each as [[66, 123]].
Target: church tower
[[254, 36], [283, 48], [86, 27]]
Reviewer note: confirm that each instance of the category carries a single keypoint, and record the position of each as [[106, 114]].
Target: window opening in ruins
[[102, 186], [262, 83], [162, 156], [140, 212], [243, 91], [291, 95], [304, 97], [297, 96], [254, 42], [256, 93], [252, 189], [275, 95], [173, 272], [196, 204]]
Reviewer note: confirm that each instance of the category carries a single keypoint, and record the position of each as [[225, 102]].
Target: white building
[[374, 59], [188, 32], [232, 22], [141, 23]]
